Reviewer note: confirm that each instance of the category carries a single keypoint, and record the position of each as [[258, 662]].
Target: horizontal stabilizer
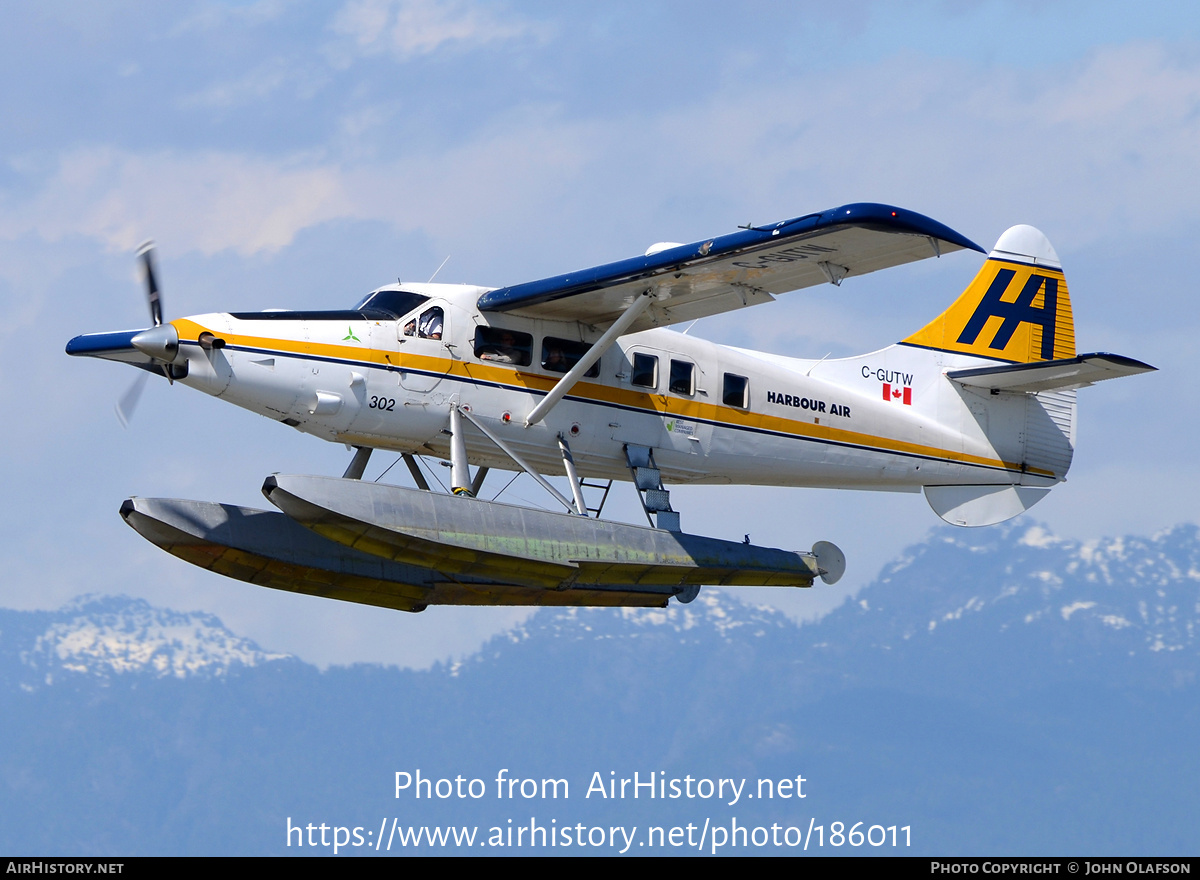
[[1055, 375]]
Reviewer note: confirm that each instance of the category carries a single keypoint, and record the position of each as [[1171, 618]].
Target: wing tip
[[900, 219], [96, 344]]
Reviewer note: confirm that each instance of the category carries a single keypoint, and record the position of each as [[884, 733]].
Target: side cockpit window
[[429, 325], [503, 346]]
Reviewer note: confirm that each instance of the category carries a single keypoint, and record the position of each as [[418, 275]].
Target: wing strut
[[567, 382]]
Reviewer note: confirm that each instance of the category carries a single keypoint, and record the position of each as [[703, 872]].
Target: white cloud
[[258, 84], [1118, 134], [1089, 152], [207, 201], [412, 28], [212, 202], [211, 15]]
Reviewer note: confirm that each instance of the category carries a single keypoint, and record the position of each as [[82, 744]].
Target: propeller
[[160, 341]]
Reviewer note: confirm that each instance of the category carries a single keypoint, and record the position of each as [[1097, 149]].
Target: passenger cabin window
[[430, 324], [683, 377], [560, 355], [645, 371], [503, 346], [735, 391]]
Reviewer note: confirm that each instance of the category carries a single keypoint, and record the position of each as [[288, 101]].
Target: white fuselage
[[791, 422]]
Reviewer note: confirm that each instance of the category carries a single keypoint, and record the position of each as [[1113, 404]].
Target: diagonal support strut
[[603, 344]]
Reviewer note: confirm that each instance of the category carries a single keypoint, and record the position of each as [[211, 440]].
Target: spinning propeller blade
[[129, 400], [146, 252]]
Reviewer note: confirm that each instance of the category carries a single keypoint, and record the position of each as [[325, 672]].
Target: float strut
[[358, 464], [521, 463], [477, 483], [572, 476], [418, 477]]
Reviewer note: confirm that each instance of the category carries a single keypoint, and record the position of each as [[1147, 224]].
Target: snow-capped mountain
[[1016, 592], [116, 636], [1142, 594]]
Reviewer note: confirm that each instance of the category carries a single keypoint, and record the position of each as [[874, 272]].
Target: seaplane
[[578, 376]]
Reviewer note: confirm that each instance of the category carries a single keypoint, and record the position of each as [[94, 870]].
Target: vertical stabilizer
[[1016, 309]]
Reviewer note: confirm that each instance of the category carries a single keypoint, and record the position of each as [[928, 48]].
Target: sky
[[297, 155]]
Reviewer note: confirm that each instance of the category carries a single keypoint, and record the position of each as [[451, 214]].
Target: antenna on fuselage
[[817, 364], [438, 269]]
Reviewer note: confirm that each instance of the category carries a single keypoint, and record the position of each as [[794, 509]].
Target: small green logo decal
[[350, 335]]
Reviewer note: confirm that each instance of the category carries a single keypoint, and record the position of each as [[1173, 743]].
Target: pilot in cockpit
[[430, 326]]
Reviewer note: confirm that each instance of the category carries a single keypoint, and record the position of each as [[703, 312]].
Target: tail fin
[[1017, 309]]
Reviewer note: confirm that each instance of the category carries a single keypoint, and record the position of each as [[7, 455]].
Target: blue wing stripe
[[883, 217]]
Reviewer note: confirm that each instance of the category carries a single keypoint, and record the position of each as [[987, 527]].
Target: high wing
[[735, 270]]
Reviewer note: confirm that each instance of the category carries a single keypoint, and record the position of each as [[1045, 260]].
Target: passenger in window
[[504, 350], [561, 356], [431, 324], [556, 360], [410, 329]]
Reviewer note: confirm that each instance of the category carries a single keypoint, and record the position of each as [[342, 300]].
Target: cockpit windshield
[[395, 302]]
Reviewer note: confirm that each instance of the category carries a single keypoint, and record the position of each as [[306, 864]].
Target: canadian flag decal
[[895, 392]]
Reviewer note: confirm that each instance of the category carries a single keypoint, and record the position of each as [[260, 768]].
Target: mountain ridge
[[1024, 721]]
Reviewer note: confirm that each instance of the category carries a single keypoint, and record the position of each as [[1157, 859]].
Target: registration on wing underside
[[732, 271]]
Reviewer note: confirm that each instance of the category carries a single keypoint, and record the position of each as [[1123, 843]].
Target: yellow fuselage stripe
[[655, 404]]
